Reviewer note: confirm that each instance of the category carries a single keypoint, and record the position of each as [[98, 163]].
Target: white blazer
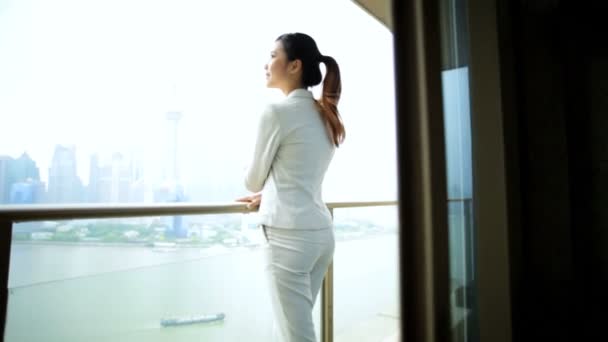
[[292, 154]]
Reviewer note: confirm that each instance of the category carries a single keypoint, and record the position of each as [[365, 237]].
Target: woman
[[295, 144]]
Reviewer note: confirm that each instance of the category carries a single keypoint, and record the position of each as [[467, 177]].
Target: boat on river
[[168, 322]]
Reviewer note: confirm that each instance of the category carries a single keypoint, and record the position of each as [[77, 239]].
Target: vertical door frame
[[490, 185], [423, 240]]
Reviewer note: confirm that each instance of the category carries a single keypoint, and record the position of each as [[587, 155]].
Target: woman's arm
[[266, 146]]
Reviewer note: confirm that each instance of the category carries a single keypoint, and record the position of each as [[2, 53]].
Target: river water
[[118, 293]]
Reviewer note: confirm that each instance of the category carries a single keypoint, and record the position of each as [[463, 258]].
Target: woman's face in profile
[[276, 68]]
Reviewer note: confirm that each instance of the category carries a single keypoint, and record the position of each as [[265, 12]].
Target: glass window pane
[[457, 119]]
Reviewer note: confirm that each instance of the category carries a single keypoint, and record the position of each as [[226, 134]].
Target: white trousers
[[296, 262]]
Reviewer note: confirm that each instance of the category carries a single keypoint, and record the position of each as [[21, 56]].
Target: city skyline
[[113, 178], [107, 88]]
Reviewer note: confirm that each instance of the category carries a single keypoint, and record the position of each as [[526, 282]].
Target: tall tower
[[171, 189], [172, 172]]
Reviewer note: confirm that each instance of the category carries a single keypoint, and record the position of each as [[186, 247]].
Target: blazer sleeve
[[266, 146]]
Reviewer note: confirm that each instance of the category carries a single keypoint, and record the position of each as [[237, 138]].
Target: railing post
[[6, 233], [327, 302]]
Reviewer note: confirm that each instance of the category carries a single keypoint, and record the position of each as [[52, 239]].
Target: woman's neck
[[290, 87]]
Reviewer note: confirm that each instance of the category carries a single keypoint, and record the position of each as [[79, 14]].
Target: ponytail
[[301, 46], [328, 104]]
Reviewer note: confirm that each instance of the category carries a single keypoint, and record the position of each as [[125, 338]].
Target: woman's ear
[[295, 66]]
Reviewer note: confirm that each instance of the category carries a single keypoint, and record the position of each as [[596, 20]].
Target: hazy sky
[[102, 74]]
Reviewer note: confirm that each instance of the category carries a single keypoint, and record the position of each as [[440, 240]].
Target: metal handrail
[[20, 213], [10, 214]]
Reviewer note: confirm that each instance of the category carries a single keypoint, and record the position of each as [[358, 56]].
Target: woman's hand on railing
[[252, 201]]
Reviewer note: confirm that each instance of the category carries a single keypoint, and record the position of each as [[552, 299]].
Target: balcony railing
[[11, 214]]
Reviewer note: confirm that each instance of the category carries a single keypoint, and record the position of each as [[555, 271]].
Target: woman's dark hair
[[301, 46]]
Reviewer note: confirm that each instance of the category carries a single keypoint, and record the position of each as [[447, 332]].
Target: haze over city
[[103, 77]]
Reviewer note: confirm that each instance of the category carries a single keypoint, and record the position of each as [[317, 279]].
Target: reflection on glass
[[457, 119], [460, 199]]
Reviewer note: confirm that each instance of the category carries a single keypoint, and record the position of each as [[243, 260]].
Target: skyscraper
[[171, 166], [27, 192], [93, 186], [64, 184], [137, 185], [115, 178], [27, 188], [5, 179], [170, 189], [20, 181], [25, 168]]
